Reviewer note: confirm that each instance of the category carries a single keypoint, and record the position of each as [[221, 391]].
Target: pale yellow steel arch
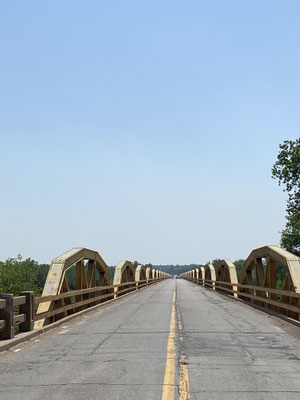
[[124, 272], [193, 274], [140, 274], [210, 274], [226, 272], [201, 275], [260, 269], [90, 271], [148, 273]]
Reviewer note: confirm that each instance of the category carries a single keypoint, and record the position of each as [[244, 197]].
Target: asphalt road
[[223, 349], [235, 351]]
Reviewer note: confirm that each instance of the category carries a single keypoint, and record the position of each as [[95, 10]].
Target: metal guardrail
[[114, 291], [265, 297], [261, 273], [18, 311], [15, 311]]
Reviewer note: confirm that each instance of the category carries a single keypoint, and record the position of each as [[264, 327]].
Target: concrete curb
[[23, 337]]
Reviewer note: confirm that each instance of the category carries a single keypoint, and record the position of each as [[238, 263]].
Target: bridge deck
[[119, 351]]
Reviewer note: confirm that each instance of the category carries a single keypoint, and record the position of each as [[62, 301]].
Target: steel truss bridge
[[208, 335]]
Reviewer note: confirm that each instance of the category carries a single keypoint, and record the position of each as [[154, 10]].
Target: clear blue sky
[[145, 130]]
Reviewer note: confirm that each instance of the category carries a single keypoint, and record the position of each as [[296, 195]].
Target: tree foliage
[[239, 266], [287, 170], [17, 275]]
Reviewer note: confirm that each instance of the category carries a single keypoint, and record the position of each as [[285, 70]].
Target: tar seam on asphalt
[[184, 392]]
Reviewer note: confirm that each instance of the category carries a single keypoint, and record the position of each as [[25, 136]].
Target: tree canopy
[[287, 170], [17, 275]]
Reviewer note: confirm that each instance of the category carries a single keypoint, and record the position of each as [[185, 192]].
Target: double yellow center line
[[170, 370]]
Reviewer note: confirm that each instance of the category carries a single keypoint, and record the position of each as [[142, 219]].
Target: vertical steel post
[[7, 314], [27, 309]]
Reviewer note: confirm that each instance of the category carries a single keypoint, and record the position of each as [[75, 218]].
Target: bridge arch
[[148, 273], [140, 274], [124, 273], [89, 270], [226, 272], [272, 267], [210, 275], [201, 275]]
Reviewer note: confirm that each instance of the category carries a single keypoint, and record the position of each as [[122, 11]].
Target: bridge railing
[[269, 278], [18, 313], [82, 295], [264, 296], [281, 301]]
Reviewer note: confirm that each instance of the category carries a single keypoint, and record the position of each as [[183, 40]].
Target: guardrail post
[[27, 309], [7, 314]]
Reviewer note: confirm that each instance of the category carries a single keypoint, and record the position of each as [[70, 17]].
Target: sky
[[145, 130]]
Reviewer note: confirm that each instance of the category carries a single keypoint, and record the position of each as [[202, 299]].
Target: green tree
[[17, 275], [239, 266], [111, 273], [215, 262], [287, 170], [135, 264]]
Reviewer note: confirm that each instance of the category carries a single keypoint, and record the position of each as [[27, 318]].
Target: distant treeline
[[17, 274]]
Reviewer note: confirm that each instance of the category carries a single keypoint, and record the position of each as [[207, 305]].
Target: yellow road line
[[170, 370]]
